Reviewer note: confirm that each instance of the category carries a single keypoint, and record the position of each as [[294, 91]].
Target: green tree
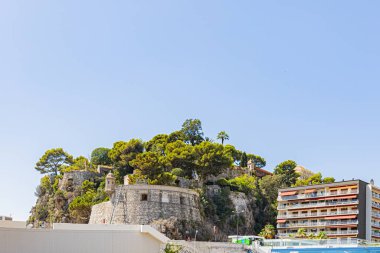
[[99, 156], [244, 183], [269, 186], [286, 168], [268, 232], [149, 163], [157, 143], [233, 152], [301, 233], [165, 178], [328, 180], [258, 160], [212, 159], [322, 235], [176, 136], [122, 153], [244, 160], [181, 155], [314, 179], [172, 248], [53, 161], [222, 136], [192, 131], [79, 163]]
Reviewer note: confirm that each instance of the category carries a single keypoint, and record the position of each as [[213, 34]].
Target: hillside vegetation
[[184, 154]]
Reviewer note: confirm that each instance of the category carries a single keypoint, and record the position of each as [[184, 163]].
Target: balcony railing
[[316, 195], [376, 224], [317, 224], [344, 232], [347, 232], [319, 204], [301, 224], [290, 216], [377, 215], [376, 234], [375, 195], [374, 204]]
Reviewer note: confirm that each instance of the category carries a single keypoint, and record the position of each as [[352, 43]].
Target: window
[[165, 197], [182, 200], [144, 197]]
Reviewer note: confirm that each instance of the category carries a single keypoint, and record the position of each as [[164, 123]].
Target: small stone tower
[[110, 184], [251, 167]]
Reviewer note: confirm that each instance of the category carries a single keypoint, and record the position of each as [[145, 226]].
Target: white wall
[[140, 240]]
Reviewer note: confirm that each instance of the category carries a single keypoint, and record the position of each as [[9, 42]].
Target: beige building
[[347, 209]]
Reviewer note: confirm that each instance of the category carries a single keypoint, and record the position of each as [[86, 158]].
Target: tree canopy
[[286, 169], [53, 161], [192, 131], [99, 156], [222, 136]]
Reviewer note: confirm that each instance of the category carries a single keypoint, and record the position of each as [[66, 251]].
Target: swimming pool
[[329, 250]]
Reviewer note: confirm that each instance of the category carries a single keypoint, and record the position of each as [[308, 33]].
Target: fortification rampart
[[142, 204]]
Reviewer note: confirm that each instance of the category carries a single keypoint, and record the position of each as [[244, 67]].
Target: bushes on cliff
[[80, 207]]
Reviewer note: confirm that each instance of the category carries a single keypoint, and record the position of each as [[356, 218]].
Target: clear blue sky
[[288, 79]]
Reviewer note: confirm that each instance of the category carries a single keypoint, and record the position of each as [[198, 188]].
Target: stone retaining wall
[[142, 204]]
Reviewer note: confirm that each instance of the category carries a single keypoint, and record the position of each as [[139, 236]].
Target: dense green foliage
[[192, 131], [268, 232], [314, 179], [53, 161], [287, 170], [217, 171], [99, 156]]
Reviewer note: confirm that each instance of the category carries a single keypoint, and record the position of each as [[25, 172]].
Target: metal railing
[[344, 232], [290, 216], [317, 195], [317, 224], [327, 203], [278, 243]]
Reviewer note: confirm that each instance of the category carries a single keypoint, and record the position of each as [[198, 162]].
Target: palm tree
[[268, 232], [301, 233], [222, 136], [322, 235]]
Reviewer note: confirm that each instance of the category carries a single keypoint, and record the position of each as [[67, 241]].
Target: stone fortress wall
[[73, 179], [143, 204]]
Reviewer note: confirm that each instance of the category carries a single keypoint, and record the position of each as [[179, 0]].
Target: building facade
[[348, 209]]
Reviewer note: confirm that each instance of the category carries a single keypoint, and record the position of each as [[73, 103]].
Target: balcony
[[316, 195], [375, 224], [376, 205], [329, 233], [308, 215], [317, 224], [319, 204], [377, 234], [302, 225], [376, 215], [376, 195], [344, 232]]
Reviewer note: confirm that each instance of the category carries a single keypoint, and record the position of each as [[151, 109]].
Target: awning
[[345, 217], [288, 193], [281, 221], [342, 197], [310, 190]]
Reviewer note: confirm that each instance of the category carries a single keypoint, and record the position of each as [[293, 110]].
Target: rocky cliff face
[[54, 195]]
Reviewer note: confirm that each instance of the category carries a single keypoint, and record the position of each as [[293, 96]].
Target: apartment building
[[347, 209]]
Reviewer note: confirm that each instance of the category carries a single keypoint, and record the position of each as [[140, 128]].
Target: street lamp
[[195, 238], [237, 224]]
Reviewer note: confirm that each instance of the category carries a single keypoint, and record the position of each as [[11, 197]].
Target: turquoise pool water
[[328, 250]]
